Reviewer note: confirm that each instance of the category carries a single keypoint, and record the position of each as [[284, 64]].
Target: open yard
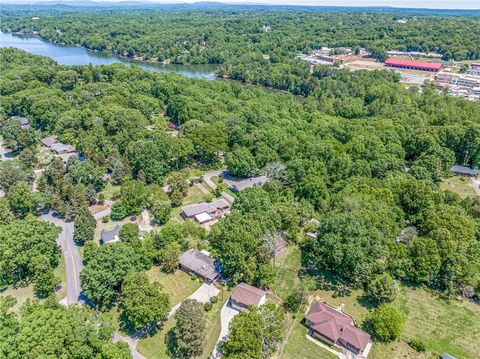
[[155, 347], [177, 285], [460, 185]]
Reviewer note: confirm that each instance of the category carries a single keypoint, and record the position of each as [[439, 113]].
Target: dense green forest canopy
[[220, 35], [364, 156]]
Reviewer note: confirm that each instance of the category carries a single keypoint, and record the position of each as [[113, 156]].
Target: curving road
[[73, 261]]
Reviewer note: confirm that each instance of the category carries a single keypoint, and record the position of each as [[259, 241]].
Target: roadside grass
[[460, 185], [22, 293], [155, 346], [177, 285]]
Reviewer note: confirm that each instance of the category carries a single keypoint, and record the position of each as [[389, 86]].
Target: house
[[23, 121], [413, 65], [59, 148], [205, 212], [464, 171], [200, 264], [238, 186], [49, 141], [245, 296], [336, 328], [111, 235]]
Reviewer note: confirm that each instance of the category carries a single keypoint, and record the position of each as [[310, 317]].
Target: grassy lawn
[[287, 266], [154, 347], [27, 292], [110, 190], [460, 185], [298, 346], [444, 326], [178, 285]]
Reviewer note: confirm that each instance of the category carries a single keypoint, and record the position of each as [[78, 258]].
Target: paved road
[[73, 261]]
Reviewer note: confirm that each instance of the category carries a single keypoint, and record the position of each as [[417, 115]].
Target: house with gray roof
[[464, 171], [205, 212], [200, 264], [110, 235], [60, 148], [23, 121], [241, 185]]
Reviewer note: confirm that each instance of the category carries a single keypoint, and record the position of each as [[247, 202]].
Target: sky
[[434, 4]]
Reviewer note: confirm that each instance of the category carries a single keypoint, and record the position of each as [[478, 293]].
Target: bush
[[387, 322], [417, 344], [193, 277], [105, 219], [101, 198], [214, 299], [292, 302], [201, 280], [208, 197], [207, 306]]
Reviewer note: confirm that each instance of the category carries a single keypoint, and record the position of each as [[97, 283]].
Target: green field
[[460, 185]]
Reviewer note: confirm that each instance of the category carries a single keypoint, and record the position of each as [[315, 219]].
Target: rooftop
[[336, 326], [195, 209], [110, 235], [49, 141], [418, 64], [247, 295], [464, 170], [249, 182], [200, 263]]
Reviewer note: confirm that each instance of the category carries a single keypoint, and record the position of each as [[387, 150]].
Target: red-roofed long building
[[413, 65], [336, 328]]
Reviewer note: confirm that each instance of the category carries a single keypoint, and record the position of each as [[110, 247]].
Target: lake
[[73, 55]]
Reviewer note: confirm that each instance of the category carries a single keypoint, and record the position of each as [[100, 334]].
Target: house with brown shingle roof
[[334, 327], [244, 296]]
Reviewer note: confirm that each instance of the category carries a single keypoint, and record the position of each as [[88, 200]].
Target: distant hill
[[220, 5]]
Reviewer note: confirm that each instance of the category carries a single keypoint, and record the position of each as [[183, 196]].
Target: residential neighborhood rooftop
[[200, 263], [247, 295], [110, 235], [204, 207], [464, 170], [248, 183], [336, 326], [49, 141]]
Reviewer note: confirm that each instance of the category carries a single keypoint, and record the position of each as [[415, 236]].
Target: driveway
[[476, 184], [132, 344], [73, 261], [202, 294], [207, 177], [226, 315]]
